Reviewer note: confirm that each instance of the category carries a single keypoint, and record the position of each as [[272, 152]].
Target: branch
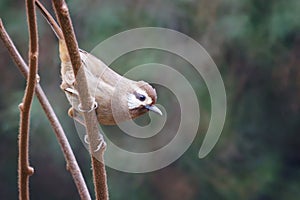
[[24, 169], [72, 165], [91, 122], [56, 29]]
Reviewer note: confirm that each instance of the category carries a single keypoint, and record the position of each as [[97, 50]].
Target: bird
[[117, 98]]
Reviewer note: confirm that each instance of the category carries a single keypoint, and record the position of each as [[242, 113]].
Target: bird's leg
[[75, 115]]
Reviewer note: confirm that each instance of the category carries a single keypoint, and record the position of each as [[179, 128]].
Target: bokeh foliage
[[255, 44]]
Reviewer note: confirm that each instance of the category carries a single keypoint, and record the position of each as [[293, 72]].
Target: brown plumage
[[118, 98]]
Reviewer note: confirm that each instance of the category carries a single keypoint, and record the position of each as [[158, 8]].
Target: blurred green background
[[256, 46]]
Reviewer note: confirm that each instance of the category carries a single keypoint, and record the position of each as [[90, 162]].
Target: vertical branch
[[24, 169], [87, 102], [72, 164]]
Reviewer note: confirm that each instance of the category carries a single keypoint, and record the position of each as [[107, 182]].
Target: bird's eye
[[142, 98]]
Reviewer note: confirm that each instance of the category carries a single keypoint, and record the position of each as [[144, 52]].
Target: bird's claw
[[86, 139], [93, 106], [100, 146]]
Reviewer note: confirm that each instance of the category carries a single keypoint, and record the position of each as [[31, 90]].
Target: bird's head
[[142, 99]]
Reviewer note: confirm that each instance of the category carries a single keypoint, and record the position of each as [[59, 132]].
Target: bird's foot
[[102, 144]]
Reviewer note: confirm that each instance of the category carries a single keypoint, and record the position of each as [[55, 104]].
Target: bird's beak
[[154, 108]]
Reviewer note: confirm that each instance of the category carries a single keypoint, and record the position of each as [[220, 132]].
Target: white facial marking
[[133, 102]]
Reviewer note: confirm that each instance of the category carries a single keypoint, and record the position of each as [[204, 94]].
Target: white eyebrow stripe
[[142, 92], [133, 102], [148, 100]]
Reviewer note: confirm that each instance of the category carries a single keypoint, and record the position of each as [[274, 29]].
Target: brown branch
[[62, 13], [58, 130], [24, 170], [91, 122], [56, 29]]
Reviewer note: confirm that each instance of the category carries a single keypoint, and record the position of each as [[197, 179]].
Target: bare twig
[[58, 130], [24, 169], [91, 122], [56, 29]]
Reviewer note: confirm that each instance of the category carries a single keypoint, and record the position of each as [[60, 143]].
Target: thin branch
[[72, 164], [56, 29], [62, 12], [24, 169], [91, 122]]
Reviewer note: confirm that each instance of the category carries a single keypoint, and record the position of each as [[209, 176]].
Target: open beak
[[154, 108]]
